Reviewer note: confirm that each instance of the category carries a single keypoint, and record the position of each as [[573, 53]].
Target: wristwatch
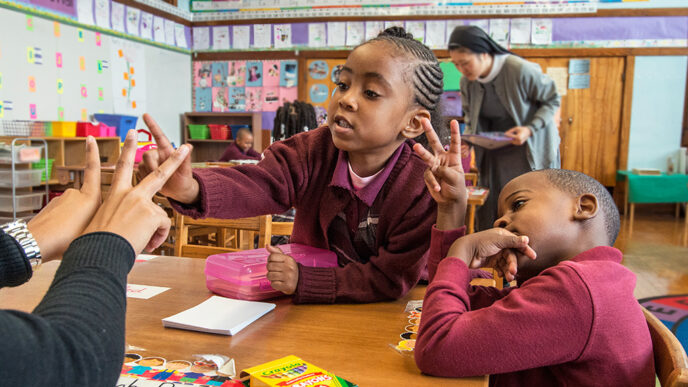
[[20, 232]]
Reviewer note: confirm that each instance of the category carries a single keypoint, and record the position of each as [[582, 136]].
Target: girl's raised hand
[[445, 176], [181, 186]]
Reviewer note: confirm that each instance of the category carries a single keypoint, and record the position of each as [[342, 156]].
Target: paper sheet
[[317, 35], [201, 38], [541, 32], [180, 35], [102, 8], [262, 36], [144, 292], [336, 34], [559, 76], [146, 25], [241, 37], [117, 17], [84, 11], [169, 32], [221, 38], [133, 17], [499, 31], [484, 24], [520, 31], [282, 35], [145, 257], [355, 33], [435, 33], [373, 28], [417, 29], [159, 29]]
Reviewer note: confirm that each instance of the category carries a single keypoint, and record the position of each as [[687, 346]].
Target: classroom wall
[[657, 110]]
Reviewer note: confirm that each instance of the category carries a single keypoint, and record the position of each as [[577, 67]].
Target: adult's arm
[[75, 336], [15, 268], [523, 330], [540, 90]]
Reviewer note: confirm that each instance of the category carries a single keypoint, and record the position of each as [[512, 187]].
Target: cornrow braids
[[428, 79]]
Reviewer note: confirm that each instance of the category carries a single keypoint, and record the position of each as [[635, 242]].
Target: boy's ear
[[414, 127], [586, 207]]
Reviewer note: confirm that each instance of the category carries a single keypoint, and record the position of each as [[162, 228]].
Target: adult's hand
[[66, 216], [181, 186], [519, 134], [129, 211]]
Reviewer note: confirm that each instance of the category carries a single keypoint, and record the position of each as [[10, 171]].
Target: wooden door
[[591, 118]]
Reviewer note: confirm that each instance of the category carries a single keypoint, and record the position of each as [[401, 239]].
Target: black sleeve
[[15, 268], [75, 336]]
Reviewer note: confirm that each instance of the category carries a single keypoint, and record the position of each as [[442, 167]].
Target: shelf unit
[[211, 150], [72, 150], [18, 200]]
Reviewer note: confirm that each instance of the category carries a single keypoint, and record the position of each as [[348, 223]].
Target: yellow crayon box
[[291, 371]]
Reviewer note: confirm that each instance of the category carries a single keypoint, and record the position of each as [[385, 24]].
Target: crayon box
[[293, 372]]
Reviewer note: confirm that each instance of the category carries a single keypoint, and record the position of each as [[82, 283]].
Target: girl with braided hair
[[501, 92], [356, 183]]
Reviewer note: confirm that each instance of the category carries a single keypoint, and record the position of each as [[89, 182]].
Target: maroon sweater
[[576, 323], [298, 172], [233, 152]]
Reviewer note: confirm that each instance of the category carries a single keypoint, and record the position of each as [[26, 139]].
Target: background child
[[355, 183], [572, 320], [241, 148]]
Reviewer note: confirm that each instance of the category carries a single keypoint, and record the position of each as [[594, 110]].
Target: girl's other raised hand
[[445, 176], [181, 186]]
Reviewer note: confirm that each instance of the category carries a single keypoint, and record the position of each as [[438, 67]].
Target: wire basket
[[16, 128]]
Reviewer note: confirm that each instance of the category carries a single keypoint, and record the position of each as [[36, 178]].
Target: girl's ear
[[586, 207], [414, 127]]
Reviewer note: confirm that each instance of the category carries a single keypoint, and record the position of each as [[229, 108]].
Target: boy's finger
[[164, 144], [125, 165], [92, 172], [158, 177], [433, 140]]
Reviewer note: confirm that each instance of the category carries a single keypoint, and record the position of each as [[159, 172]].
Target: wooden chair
[[472, 177], [246, 226], [671, 362]]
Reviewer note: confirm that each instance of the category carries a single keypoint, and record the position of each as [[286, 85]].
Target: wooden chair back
[[262, 225], [671, 362], [471, 177]]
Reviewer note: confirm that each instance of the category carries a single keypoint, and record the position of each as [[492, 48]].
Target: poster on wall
[[128, 77], [321, 78]]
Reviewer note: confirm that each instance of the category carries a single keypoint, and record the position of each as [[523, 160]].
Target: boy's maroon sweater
[[576, 323], [297, 173]]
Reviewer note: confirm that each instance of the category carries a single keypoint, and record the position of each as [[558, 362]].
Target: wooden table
[[352, 341], [75, 173], [474, 200]]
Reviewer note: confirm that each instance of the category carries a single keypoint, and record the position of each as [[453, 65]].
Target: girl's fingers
[[431, 181], [424, 154], [433, 140], [454, 153], [159, 176], [273, 249], [161, 140], [125, 165], [92, 172]]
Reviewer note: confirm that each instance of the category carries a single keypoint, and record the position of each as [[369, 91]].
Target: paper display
[[201, 38], [241, 37], [133, 17], [282, 35], [117, 17], [373, 28], [180, 35], [488, 140], [146, 25], [158, 29], [169, 32], [221, 38], [262, 36], [354, 33], [336, 34], [317, 35], [417, 29], [541, 31], [84, 11], [520, 31], [220, 315], [435, 33], [102, 8], [499, 31]]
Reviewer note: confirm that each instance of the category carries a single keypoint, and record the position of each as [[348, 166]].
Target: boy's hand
[[496, 248], [445, 176], [181, 186], [66, 216], [283, 272]]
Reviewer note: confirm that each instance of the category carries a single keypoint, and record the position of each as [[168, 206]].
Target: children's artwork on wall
[[204, 99], [282, 34], [288, 73], [288, 94], [318, 93], [254, 99], [237, 73], [271, 73], [237, 99], [220, 99], [271, 99], [318, 69], [219, 71], [202, 74], [320, 115], [254, 74], [336, 70]]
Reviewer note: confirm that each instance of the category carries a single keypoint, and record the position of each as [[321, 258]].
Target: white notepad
[[224, 316]]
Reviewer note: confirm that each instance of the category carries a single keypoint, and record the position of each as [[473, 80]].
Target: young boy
[[572, 320], [241, 148]]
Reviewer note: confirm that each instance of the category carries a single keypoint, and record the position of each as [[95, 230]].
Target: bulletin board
[[321, 79]]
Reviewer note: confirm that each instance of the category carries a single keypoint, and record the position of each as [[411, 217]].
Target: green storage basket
[[41, 165], [199, 132]]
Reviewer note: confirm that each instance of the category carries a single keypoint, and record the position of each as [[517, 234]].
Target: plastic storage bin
[[40, 165], [64, 129], [236, 128], [25, 202], [219, 132], [243, 274], [121, 122], [22, 153], [84, 129], [23, 178], [199, 132]]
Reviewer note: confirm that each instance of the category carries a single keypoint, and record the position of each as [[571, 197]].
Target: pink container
[[242, 275], [84, 129]]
